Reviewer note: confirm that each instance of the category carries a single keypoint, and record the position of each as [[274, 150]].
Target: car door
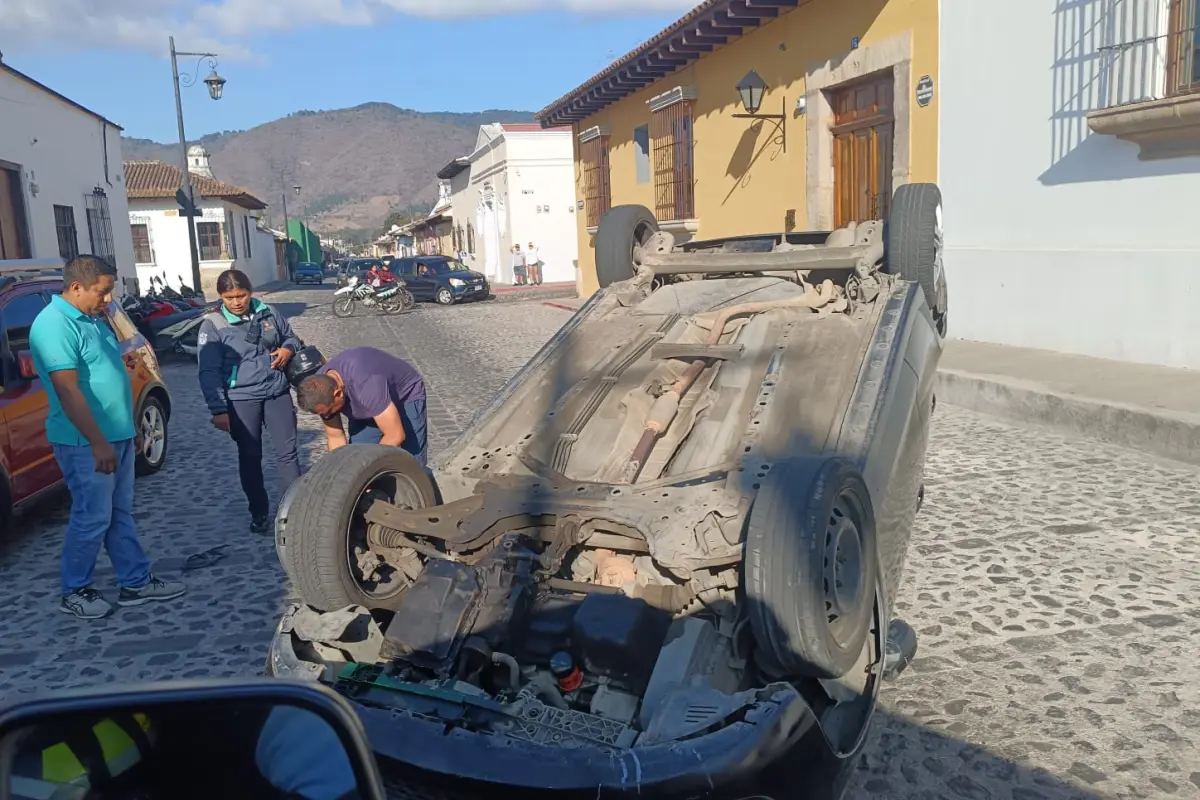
[[406, 268], [31, 459]]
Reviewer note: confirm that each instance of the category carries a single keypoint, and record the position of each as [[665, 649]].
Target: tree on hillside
[[403, 216]]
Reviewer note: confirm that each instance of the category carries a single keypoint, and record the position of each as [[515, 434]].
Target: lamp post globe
[[751, 90], [216, 85]]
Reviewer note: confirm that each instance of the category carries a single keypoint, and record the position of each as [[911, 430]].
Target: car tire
[[152, 425], [321, 526], [811, 568], [621, 230], [444, 297], [915, 243]]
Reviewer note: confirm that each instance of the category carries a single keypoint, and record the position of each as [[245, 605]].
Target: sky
[[281, 56]]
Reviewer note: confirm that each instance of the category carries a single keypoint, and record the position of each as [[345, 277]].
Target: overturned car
[[661, 560]]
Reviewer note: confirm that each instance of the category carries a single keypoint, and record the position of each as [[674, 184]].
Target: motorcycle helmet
[[303, 364]]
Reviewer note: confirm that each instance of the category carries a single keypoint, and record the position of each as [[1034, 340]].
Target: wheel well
[[160, 393]]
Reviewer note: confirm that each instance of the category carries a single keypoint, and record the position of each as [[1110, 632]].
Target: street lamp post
[[216, 87]]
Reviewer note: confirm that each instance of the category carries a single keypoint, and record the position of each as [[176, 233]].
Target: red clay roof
[[710, 25], [155, 180]]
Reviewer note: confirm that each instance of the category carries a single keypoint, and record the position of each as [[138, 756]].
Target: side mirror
[[25, 366], [201, 739]]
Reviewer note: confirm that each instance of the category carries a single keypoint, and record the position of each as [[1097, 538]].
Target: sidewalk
[[546, 291], [1152, 409]]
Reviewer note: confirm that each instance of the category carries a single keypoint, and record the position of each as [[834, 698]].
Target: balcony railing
[[1150, 68]]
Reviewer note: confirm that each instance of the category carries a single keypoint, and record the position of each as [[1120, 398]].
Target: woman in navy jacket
[[245, 346]]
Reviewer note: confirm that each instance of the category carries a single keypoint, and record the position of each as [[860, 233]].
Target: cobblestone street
[[1055, 582]]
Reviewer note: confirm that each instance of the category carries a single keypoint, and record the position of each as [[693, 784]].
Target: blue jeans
[[101, 514], [416, 435]]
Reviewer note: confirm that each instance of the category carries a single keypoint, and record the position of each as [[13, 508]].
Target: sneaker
[[86, 603], [260, 525], [155, 589]]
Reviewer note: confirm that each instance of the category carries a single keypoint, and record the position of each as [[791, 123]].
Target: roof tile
[[154, 180]]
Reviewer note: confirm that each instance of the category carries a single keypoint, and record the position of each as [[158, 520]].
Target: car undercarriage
[[671, 540]]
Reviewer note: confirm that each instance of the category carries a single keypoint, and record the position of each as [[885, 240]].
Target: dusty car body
[[661, 561]]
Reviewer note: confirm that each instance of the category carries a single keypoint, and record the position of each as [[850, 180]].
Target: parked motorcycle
[[162, 290], [391, 298], [162, 325]]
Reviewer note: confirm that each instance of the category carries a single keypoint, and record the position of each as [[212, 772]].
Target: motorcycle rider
[[378, 275], [245, 346]]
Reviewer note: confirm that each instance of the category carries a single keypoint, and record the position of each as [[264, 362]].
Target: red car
[[27, 466]]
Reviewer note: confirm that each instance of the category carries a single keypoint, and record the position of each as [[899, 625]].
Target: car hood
[[464, 275]]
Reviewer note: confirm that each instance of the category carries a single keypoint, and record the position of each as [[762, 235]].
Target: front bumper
[[775, 749], [471, 291]]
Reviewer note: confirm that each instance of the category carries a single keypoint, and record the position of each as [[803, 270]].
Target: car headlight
[[457, 284]]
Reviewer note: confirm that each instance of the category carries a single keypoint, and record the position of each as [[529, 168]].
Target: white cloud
[[225, 25]]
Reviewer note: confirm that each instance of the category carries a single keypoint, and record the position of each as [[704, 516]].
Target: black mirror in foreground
[[182, 740]]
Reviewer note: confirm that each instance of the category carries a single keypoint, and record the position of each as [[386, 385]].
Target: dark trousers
[[416, 435], [247, 418]]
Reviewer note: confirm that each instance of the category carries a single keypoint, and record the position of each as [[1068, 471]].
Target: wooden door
[[863, 132]]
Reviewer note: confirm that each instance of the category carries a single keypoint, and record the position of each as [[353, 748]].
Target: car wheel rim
[[387, 581], [154, 434], [641, 235], [444, 297], [843, 583]]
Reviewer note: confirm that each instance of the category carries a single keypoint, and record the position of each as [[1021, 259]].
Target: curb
[[563, 306], [1172, 435], [545, 288]]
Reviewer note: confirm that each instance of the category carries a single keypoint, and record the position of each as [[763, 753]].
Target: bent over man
[[381, 396]]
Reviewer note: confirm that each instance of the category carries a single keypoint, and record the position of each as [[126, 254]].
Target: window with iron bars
[[68, 236], [1149, 58], [674, 174], [470, 238], [100, 225], [597, 187], [1183, 48]]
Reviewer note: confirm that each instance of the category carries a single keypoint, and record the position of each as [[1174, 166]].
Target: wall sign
[[924, 91]]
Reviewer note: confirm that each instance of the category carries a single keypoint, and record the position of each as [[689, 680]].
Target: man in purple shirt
[[381, 396]]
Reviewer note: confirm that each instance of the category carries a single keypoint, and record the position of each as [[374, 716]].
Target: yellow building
[[848, 112]]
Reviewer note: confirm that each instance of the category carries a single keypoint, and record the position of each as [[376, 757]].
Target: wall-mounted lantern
[[751, 90]]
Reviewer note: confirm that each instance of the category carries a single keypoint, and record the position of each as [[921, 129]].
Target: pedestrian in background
[[91, 428], [518, 266], [533, 261], [245, 346], [381, 396]]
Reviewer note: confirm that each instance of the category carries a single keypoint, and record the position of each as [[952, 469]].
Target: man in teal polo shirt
[[90, 425]]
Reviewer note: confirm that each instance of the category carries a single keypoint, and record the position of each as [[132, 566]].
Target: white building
[[517, 187], [228, 235], [60, 179], [1070, 171]]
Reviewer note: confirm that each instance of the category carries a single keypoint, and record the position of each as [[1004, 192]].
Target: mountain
[[353, 165]]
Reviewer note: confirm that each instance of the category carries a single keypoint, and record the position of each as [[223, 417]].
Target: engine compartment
[[569, 660]]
